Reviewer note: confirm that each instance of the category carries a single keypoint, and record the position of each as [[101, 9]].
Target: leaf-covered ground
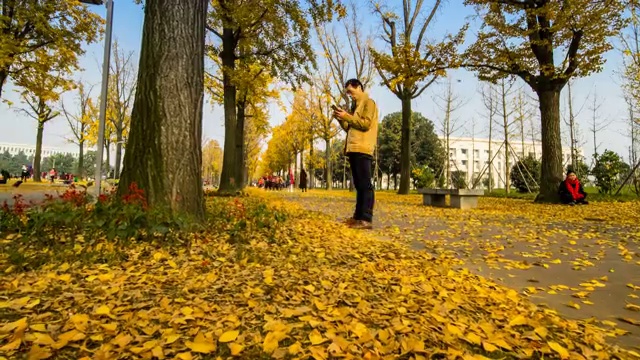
[[582, 261], [313, 290]]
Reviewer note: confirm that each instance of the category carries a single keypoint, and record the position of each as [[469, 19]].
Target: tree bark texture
[[80, 169], [164, 154], [37, 160], [405, 152], [228, 181], [328, 168], [551, 169]]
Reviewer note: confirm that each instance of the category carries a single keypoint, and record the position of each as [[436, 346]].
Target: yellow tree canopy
[[211, 159], [42, 84], [49, 31], [412, 61], [544, 42]]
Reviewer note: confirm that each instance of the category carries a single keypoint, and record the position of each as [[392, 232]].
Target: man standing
[[361, 125]]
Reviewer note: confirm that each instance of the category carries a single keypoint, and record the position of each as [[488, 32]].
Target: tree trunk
[[118, 155], [327, 160], [572, 129], [4, 75], [405, 152], [228, 183], [311, 170], [388, 181], [551, 169], [38, 156], [164, 154], [107, 147], [80, 170], [240, 149]]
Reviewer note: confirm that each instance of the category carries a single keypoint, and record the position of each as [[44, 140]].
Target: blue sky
[[18, 128]]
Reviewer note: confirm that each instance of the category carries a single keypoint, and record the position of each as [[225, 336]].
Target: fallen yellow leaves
[[316, 290]]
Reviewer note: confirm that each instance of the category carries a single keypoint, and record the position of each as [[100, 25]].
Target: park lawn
[[266, 280]]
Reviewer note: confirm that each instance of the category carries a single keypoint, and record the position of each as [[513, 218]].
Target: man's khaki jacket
[[362, 127]]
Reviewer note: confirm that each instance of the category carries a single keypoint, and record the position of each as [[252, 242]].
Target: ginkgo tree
[[255, 89], [411, 62], [275, 31], [43, 31], [79, 121], [40, 88], [122, 81], [545, 43], [164, 145]]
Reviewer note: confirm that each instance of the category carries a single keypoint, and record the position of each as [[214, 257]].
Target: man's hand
[[340, 114]]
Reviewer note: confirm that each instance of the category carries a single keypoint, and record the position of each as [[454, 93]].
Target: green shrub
[[423, 177], [525, 175], [608, 171]]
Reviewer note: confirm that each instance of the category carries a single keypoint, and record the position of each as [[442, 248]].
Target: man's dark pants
[[361, 177]]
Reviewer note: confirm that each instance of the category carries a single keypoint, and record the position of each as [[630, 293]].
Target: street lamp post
[[104, 90]]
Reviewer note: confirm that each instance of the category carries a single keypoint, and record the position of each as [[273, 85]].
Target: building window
[[464, 162], [476, 153], [476, 165]]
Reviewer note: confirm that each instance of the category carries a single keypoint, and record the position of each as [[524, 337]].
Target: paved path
[[583, 269]]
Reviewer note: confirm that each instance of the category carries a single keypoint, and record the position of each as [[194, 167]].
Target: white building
[[30, 150], [472, 156]]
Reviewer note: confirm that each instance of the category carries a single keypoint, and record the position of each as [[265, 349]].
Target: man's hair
[[354, 83]]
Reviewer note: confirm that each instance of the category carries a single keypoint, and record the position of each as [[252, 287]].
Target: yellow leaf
[[294, 349], [235, 348], [541, 331], [518, 320], [186, 311], [103, 310], [171, 339], [201, 347], [632, 307], [110, 327], [38, 327], [489, 347], [270, 343], [473, 338], [229, 336], [310, 288], [573, 305], [122, 340], [564, 353], [43, 339], [184, 356], [157, 352], [172, 264], [503, 344], [20, 325], [609, 323], [315, 337], [12, 345], [38, 353], [454, 330]]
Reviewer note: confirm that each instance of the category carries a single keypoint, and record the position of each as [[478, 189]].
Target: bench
[[460, 198]]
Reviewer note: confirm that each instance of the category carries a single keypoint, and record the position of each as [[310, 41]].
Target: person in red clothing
[[571, 191]]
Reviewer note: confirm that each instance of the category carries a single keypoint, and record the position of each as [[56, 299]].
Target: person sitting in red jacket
[[571, 191]]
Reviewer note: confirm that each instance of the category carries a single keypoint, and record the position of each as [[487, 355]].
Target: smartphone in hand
[[335, 108]]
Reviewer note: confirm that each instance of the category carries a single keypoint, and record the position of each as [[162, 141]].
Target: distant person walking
[[303, 180], [25, 173], [361, 125]]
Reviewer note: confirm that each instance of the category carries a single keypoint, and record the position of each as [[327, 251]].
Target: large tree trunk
[[164, 154], [240, 148], [405, 152], [80, 170], [551, 169], [228, 182], [328, 174], [37, 160]]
